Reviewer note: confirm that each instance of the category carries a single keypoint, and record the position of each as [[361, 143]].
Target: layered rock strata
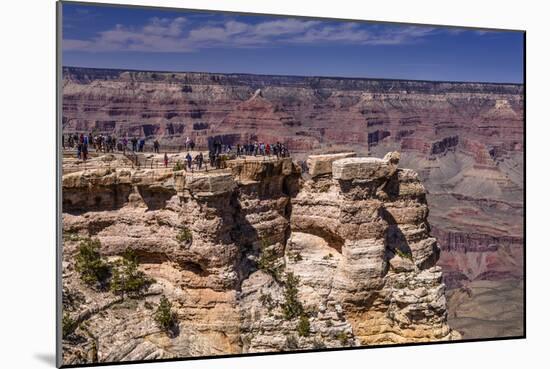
[[356, 241], [465, 141]]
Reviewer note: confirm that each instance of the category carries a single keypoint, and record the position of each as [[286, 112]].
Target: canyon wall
[[353, 241], [465, 141]]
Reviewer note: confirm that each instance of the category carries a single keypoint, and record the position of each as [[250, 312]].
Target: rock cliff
[[465, 141], [272, 260]]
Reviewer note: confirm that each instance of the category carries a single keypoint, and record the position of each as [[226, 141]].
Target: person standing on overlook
[[187, 142], [199, 159], [85, 151], [189, 160], [141, 144], [156, 146]]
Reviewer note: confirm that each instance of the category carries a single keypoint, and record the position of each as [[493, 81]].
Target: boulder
[[210, 183], [365, 168], [322, 164]]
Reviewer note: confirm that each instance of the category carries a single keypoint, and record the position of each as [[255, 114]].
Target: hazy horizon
[[287, 75]]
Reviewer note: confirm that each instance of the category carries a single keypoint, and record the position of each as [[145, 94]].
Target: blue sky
[[169, 40]]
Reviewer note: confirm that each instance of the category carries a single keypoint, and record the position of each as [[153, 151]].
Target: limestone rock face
[[374, 217], [322, 164], [465, 141], [364, 168], [355, 246]]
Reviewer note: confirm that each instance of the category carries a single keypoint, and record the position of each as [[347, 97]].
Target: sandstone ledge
[[206, 184], [322, 164], [365, 168]]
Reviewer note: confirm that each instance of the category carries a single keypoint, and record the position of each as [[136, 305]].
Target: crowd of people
[[108, 143], [251, 149], [218, 152]]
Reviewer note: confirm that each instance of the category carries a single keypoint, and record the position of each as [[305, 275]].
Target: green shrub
[[127, 279], [164, 316], [184, 235], [327, 257], [403, 254], [68, 325], [72, 299], [292, 308], [178, 166], [303, 326], [267, 301], [268, 260], [92, 268], [343, 338], [295, 256]]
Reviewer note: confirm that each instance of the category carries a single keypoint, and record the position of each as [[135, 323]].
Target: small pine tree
[[164, 316], [267, 301], [268, 260], [404, 254], [92, 268], [303, 326], [343, 338], [127, 279], [184, 235], [178, 166], [292, 308], [68, 325]]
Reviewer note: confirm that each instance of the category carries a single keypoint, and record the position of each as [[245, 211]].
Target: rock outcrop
[[270, 261], [374, 217], [322, 164], [465, 141]]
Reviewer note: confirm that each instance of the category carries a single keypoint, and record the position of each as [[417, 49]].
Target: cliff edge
[[254, 258]]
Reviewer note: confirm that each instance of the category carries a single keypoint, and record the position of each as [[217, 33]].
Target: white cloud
[[165, 26], [178, 35]]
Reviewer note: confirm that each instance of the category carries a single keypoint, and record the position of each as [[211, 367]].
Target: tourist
[[165, 160], [85, 151], [141, 144], [199, 159], [189, 160], [156, 146], [212, 157]]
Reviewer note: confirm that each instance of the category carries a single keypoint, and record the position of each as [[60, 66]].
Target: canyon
[[353, 242], [465, 141]]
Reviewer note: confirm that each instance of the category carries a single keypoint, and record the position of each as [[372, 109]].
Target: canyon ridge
[[377, 253]]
